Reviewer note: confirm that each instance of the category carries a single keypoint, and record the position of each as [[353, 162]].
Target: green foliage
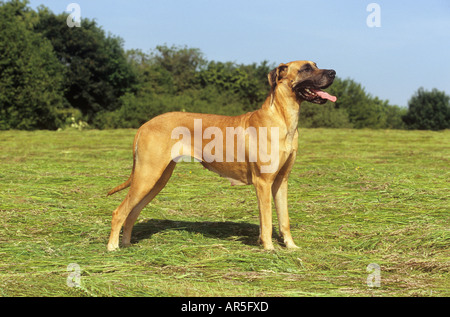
[[53, 76], [180, 79], [354, 108], [181, 62], [97, 73], [30, 74], [327, 116], [364, 111], [135, 110], [247, 82], [393, 117], [428, 110]]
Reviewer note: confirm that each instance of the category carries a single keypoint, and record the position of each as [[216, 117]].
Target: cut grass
[[356, 197]]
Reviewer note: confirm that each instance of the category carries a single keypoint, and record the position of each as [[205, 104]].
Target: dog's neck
[[283, 104]]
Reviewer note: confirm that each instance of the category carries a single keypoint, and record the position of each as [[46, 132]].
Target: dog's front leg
[[264, 194], [279, 190]]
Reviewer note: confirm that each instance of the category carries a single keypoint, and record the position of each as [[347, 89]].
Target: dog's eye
[[306, 68]]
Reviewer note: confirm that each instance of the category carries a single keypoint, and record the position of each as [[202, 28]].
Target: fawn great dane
[[161, 142]]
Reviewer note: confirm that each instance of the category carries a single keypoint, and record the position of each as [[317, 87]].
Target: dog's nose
[[331, 73]]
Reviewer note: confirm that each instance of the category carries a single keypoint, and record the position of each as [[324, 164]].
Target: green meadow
[[356, 197]]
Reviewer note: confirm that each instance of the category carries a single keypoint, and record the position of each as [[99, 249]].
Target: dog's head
[[305, 80]]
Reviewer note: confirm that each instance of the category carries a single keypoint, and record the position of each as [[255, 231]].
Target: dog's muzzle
[[311, 89]]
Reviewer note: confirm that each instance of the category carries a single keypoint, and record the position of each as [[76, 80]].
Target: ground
[[356, 197]]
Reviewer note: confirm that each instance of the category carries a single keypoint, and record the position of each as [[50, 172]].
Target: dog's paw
[[291, 245], [112, 247], [268, 246]]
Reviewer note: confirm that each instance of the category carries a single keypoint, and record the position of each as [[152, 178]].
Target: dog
[[157, 148]]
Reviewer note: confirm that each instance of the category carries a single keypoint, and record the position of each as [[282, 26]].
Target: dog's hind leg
[[148, 179], [119, 215], [131, 219]]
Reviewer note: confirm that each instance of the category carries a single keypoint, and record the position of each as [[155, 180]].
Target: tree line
[[53, 76]]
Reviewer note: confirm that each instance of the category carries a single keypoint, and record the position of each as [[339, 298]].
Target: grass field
[[356, 197]]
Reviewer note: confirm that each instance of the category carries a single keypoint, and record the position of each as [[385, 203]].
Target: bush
[[97, 72], [53, 76], [138, 109], [428, 110], [30, 74], [323, 116]]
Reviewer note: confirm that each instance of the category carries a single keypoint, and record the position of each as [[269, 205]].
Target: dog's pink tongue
[[325, 95]]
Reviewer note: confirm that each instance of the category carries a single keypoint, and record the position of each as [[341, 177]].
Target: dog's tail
[[120, 187], [130, 179]]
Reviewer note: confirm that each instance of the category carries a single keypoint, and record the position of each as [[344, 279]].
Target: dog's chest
[[288, 140]]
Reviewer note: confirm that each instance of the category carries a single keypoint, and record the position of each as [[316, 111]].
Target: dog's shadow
[[237, 231]]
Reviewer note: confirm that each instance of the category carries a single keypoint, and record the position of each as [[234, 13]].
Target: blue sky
[[410, 49]]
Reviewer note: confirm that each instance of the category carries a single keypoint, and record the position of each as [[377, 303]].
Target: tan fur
[[153, 164]]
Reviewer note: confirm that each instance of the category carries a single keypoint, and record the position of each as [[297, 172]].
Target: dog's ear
[[276, 75]]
